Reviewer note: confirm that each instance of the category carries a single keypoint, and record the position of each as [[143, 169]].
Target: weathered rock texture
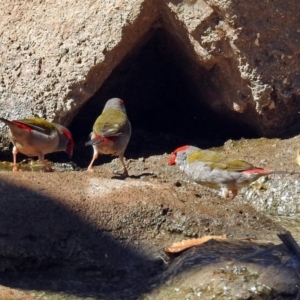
[[102, 238], [12, 294], [242, 57]]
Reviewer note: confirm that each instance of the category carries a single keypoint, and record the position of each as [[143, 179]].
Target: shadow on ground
[[76, 234], [44, 245]]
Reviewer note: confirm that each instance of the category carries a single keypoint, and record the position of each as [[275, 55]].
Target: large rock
[[242, 58]]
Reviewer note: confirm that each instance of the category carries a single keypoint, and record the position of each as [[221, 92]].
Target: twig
[[292, 245], [290, 242]]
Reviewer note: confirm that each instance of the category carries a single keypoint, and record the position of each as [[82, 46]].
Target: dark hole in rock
[[165, 105]]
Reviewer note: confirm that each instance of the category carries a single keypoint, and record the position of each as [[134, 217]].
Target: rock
[[242, 58], [12, 294], [88, 234], [230, 270]]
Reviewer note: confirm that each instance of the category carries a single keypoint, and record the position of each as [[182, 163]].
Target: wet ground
[[73, 234]]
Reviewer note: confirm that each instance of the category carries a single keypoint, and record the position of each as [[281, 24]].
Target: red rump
[[110, 139], [22, 125], [258, 171], [105, 139]]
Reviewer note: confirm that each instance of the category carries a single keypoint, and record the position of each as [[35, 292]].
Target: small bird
[[216, 170], [37, 137], [111, 132]]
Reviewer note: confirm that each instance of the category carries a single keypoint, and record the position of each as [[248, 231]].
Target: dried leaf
[[186, 244]]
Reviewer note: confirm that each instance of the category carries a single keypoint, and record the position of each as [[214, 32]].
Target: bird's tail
[[279, 172], [20, 124], [94, 141], [283, 172], [267, 171], [5, 121], [294, 172]]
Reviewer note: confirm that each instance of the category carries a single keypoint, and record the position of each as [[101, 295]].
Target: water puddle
[[59, 296], [32, 165]]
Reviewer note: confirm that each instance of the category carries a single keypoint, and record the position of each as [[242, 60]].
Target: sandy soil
[[94, 219]]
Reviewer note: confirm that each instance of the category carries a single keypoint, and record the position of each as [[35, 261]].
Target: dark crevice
[[165, 104]]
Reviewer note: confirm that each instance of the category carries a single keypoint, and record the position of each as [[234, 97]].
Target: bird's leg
[[225, 193], [125, 172], [95, 156], [15, 152], [234, 193], [48, 167]]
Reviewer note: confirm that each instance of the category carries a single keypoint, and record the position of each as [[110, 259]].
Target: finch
[[37, 137], [111, 132], [216, 170]]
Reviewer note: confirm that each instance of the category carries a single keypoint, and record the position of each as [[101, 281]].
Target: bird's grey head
[[115, 103], [179, 156]]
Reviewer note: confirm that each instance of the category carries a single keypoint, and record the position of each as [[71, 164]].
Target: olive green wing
[[216, 160], [110, 123], [37, 124]]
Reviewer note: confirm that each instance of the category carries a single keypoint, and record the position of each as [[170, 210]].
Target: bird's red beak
[[172, 159]]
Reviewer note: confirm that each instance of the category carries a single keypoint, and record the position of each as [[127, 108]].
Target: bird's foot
[[15, 168], [48, 169], [124, 173], [90, 169], [233, 194], [225, 193]]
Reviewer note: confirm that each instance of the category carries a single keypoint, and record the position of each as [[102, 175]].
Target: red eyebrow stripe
[[181, 149]]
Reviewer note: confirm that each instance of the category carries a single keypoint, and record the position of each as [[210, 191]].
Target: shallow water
[[57, 296], [215, 270], [33, 165]]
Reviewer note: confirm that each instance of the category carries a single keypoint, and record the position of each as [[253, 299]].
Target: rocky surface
[[12, 294], [241, 58], [190, 72], [79, 234], [224, 277]]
